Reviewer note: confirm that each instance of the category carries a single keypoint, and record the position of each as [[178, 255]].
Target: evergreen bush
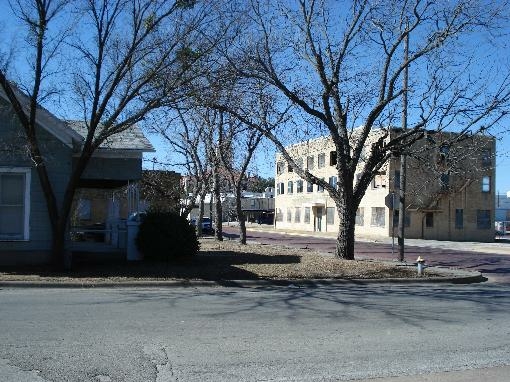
[[165, 235]]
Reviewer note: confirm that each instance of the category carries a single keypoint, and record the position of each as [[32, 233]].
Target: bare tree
[[236, 157], [340, 65], [217, 141], [185, 135], [131, 58]]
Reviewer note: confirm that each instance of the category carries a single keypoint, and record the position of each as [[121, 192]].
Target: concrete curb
[[452, 276]]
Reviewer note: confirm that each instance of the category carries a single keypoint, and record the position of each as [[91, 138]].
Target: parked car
[[206, 225]]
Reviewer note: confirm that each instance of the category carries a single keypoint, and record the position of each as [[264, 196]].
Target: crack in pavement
[[164, 370]]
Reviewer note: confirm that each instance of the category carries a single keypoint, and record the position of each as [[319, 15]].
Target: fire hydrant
[[420, 265]]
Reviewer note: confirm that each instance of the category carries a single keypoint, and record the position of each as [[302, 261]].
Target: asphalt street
[[348, 332]]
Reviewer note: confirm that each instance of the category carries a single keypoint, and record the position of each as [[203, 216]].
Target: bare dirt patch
[[225, 260]]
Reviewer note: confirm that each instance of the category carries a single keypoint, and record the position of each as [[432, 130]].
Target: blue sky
[[264, 161]]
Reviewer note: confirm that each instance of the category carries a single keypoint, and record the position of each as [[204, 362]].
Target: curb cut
[[455, 276]]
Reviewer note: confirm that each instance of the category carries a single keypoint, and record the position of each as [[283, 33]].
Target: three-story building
[[449, 193]]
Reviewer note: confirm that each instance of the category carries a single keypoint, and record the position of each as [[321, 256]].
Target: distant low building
[[257, 206], [503, 207]]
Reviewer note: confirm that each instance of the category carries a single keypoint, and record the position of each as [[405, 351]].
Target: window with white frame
[[330, 215], [280, 168], [289, 215], [333, 181], [320, 188], [360, 216], [307, 215], [14, 204], [297, 214], [332, 158], [321, 160], [299, 186], [377, 217], [309, 163], [290, 187]]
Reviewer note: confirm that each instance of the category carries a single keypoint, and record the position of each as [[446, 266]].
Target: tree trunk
[[218, 211], [347, 221], [240, 215], [61, 259], [198, 221]]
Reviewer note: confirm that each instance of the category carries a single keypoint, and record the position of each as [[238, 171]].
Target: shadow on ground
[[205, 266]]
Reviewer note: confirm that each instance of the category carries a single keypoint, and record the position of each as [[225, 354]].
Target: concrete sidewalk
[[500, 247], [496, 374]]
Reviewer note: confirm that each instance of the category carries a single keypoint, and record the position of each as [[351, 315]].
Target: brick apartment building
[[450, 190]]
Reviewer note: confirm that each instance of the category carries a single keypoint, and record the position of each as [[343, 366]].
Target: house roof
[[130, 139], [45, 119], [74, 132]]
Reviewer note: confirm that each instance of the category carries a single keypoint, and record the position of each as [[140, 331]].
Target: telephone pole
[[403, 159]]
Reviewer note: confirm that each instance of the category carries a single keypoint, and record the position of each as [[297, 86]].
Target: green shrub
[[165, 235]]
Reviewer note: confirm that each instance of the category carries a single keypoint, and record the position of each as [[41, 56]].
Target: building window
[[444, 182], [280, 167], [297, 214], [459, 218], [396, 179], [14, 204], [309, 163], [330, 215], [309, 187], [377, 217], [279, 215], [299, 186], [483, 219], [332, 158], [379, 181], [281, 188], [429, 219], [289, 215], [290, 187], [307, 215], [289, 168], [333, 181], [486, 184], [407, 219], [486, 158], [360, 216], [320, 188], [442, 159], [321, 160]]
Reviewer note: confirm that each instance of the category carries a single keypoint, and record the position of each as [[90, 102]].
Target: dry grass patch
[[275, 262], [225, 260]]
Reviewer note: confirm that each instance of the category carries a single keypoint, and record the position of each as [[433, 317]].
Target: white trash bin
[[133, 254]]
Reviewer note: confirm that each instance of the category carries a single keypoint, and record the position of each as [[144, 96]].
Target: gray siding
[[58, 159]]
